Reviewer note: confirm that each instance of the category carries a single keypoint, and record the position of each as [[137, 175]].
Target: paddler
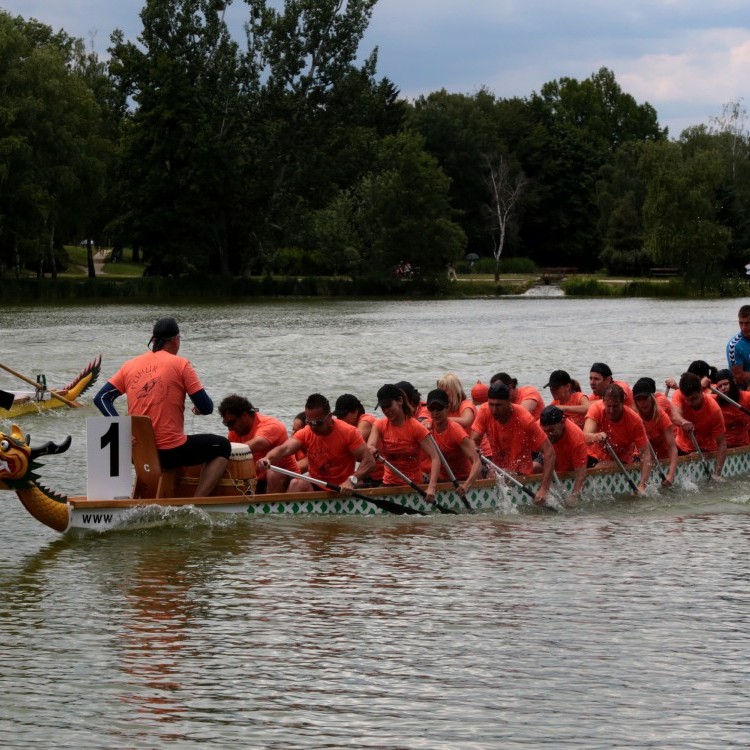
[[156, 384], [600, 378], [696, 413], [525, 396], [333, 449], [571, 453], [657, 423], [736, 421], [567, 397], [514, 436], [457, 447], [609, 420]]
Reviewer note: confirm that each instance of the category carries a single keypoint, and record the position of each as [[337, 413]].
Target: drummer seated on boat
[[697, 414], [571, 453], [333, 449], [610, 421], [261, 433], [156, 383], [514, 436]]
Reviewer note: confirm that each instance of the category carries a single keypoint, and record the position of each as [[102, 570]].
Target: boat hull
[[486, 495], [30, 402]]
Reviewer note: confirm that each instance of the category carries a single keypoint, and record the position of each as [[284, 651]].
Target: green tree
[[402, 210], [181, 155], [53, 151]]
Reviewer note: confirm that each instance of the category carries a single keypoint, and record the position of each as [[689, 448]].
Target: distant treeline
[[281, 154]]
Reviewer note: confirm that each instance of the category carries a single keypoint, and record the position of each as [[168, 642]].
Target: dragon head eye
[[4, 445]]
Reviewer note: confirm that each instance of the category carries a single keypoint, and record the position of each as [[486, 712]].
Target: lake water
[[618, 625]]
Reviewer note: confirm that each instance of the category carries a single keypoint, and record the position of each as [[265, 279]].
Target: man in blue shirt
[[738, 349]]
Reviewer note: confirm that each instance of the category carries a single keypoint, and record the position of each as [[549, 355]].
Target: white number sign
[[108, 453]]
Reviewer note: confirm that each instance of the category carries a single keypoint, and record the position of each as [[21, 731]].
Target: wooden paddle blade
[[6, 400]]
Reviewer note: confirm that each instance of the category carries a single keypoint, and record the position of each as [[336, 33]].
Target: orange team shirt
[[422, 413], [529, 393], [625, 436], [625, 387], [708, 422], [449, 442], [156, 384], [401, 446], [571, 451], [465, 404], [664, 403], [274, 431], [575, 400], [736, 422], [656, 427], [376, 475], [330, 457], [512, 443]]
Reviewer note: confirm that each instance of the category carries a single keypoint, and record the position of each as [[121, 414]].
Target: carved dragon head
[[18, 460], [15, 460]]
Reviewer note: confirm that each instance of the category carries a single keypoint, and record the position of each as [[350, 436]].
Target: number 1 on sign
[[108, 452]]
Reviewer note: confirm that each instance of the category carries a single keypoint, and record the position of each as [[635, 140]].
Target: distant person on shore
[[452, 272], [156, 384], [738, 349]]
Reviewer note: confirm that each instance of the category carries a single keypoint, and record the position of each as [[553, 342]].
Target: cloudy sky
[[685, 57]]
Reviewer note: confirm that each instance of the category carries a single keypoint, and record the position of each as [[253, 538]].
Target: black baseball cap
[[551, 415], [558, 378], [437, 396]]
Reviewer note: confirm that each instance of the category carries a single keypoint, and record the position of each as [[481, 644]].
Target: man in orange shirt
[[514, 435], [156, 384], [261, 433], [526, 395], [609, 420], [694, 412], [333, 447], [600, 378], [569, 443]]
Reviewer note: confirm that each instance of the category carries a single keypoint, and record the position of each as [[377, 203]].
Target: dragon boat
[[42, 399], [155, 492]]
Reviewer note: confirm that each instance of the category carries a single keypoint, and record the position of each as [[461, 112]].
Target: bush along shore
[[229, 288]]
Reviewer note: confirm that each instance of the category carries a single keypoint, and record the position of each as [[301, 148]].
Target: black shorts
[[197, 449]]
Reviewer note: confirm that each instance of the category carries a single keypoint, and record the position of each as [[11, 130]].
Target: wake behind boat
[[43, 399], [154, 488]]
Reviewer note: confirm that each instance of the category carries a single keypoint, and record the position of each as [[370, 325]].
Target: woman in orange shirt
[[565, 395], [460, 408], [401, 438]]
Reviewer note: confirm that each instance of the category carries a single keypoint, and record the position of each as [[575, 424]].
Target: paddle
[[706, 467], [624, 471], [450, 473], [387, 505], [6, 400], [521, 486], [413, 485], [38, 386], [657, 462], [730, 400]]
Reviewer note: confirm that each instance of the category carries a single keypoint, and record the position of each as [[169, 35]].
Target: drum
[[241, 464]]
